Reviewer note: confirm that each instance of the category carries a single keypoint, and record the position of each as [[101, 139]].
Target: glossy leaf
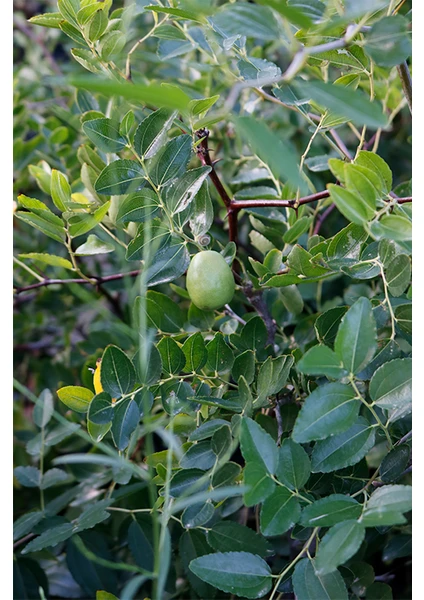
[[391, 384], [239, 573], [335, 508], [257, 445], [343, 449], [330, 409], [338, 545], [308, 585], [294, 466], [355, 343], [117, 374], [279, 512]]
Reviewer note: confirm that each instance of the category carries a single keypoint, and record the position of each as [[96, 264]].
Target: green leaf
[[163, 313], [80, 224], [28, 476], [327, 324], [330, 409], [60, 190], [270, 149], [125, 420], [140, 542], [197, 515], [152, 132], [343, 449], [279, 512], [53, 477], [49, 259], [105, 135], [200, 456], [273, 376], [151, 235], [26, 523], [177, 12], [120, 177], [220, 355], [403, 314], [207, 429], [75, 397], [195, 353], [329, 511], [239, 573], [394, 463], [229, 536], [148, 364], [97, 25], [175, 398], [47, 20], [51, 537], [182, 191], [254, 334], [353, 207], [100, 411], [244, 19], [93, 245], [244, 365], [321, 360], [92, 515], [308, 585], [257, 478], [111, 44], [153, 94], [187, 482], [394, 227], [388, 43], [170, 262], [171, 161], [98, 432], [294, 466], [354, 105], [201, 214], [258, 446], [398, 274], [361, 183], [43, 409], [117, 374], [375, 163], [294, 15], [339, 544], [45, 221], [346, 246], [69, 10], [300, 227], [173, 358], [356, 341], [387, 505], [391, 384]]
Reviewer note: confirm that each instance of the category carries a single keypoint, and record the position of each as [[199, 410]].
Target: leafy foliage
[[168, 444]]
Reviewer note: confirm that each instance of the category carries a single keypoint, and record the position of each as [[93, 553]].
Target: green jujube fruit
[[210, 282]]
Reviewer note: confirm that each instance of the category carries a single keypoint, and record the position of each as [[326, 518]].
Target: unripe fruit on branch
[[210, 282]]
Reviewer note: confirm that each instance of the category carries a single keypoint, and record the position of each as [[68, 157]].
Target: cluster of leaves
[[260, 450]]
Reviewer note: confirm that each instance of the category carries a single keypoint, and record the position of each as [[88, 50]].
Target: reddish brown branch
[[97, 281], [204, 155], [239, 204]]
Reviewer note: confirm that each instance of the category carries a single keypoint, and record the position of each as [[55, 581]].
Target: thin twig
[[94, 281], [204, 155]]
